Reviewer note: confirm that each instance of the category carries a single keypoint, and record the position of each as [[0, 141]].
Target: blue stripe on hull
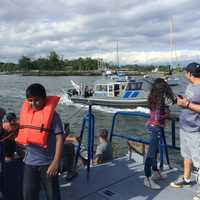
[[131, 94]]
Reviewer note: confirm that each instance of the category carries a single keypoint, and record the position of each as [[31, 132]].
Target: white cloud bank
[[87, 28]]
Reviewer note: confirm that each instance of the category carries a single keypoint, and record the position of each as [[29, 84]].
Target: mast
[[117, 54], [174, 58]]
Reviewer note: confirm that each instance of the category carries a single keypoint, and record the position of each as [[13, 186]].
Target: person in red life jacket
[[10, 127], [41, 131], [2, 113]]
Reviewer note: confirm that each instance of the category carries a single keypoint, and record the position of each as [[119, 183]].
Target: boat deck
[[122, 179]]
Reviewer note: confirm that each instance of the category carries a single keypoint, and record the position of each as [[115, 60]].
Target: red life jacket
[[35, 125]]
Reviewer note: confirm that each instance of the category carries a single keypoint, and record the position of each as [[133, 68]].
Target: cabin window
[[110, 88], [123, 87], [134, 86], [101, 87], [139, 86], [116, 90], [104, 87]]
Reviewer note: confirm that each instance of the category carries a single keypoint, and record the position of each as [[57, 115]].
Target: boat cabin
[[109, 89], [115, 89]]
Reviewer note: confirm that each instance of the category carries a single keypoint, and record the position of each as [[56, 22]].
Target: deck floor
[[122, 179]]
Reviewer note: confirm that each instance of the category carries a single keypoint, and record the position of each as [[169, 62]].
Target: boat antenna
[[117, 53], [173, 43]]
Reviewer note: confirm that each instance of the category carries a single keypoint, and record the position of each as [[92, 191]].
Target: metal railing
[[163, 144], [89, 123]]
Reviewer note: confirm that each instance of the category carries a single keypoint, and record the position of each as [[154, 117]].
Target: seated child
[[104, 148]]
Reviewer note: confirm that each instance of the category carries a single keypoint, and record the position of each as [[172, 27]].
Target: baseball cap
[[193, 68]]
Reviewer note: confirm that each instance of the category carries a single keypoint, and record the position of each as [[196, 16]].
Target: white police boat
[[113, 93]]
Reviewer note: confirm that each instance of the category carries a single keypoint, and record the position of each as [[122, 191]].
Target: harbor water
[[12, 94]]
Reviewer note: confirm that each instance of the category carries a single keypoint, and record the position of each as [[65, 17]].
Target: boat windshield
[[101, 87], [134, 86]]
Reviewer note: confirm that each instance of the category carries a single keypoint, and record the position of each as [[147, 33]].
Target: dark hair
[[36, 90], [103, 133], [160, 91], [11, 116]]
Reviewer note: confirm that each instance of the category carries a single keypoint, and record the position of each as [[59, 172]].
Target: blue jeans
[[151, 158], [34, 178]]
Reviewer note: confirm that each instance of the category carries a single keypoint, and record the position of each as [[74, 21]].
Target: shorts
[[190, 147]]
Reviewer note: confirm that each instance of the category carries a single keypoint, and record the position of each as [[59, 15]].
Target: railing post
[[173, 129], [88, 119], [112, 127], [92, 136], [79, 145], [89, 138]]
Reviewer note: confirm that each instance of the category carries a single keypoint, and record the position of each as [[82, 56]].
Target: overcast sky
[[147, 31]]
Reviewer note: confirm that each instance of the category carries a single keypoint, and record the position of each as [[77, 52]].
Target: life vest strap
[[41, 129]]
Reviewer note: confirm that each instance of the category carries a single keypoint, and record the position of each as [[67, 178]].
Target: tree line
[[54, 62]]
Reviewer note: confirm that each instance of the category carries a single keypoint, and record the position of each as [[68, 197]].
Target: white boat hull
[[111, 102]]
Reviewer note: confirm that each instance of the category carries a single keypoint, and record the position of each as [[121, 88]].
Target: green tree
[[42, 63], [54, 61], [9, 67], [25, 63]]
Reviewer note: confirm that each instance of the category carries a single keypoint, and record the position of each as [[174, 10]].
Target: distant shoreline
[[70, 73], [53, 73]]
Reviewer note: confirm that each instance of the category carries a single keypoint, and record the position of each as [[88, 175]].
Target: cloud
[[147, 31]]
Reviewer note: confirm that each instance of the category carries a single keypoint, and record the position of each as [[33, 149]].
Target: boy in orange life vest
[[42, 131], [10, 128]]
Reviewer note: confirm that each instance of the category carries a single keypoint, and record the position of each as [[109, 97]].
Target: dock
[[122, 179]]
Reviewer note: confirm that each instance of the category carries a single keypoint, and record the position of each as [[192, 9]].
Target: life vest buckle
[[42, 128]]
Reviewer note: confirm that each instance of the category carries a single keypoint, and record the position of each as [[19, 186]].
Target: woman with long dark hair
[[160, 94]]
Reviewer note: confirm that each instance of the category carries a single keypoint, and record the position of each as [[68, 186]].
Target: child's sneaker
[[148, 182], [157, 175], [198, 177], [180, 183], [197, 196]]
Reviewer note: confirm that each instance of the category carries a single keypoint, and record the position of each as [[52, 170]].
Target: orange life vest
[[35, 126]]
